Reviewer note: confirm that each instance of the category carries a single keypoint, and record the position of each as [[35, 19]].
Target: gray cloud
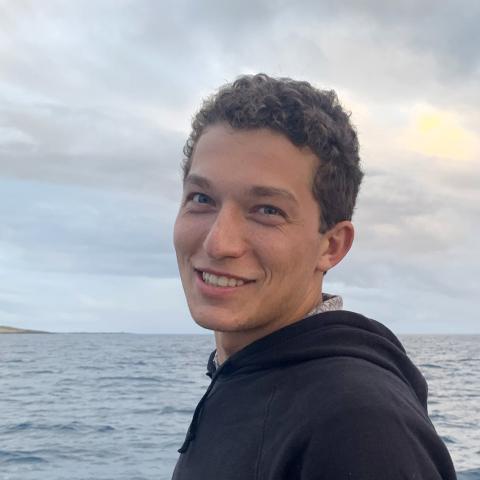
[[447, 31], [94, 80], [416, 232], [143, 53], [90, 147], [78, 230]]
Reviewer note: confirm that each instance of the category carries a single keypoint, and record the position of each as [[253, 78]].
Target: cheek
[[180, 236], [295, 258], [188, 235], [275, 255]]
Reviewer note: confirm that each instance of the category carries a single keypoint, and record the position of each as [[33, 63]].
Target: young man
[[300, 389]]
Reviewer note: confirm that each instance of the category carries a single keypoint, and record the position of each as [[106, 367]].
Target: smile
[[221, 280]]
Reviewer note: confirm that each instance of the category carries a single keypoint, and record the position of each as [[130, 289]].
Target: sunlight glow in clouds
[[439, 133]]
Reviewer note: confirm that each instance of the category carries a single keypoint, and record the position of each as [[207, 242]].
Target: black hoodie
[[333, 396]]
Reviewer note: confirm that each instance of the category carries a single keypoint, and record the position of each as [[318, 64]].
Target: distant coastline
[[4, 329]]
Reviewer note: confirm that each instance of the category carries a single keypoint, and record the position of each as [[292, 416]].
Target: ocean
[[117, 406]]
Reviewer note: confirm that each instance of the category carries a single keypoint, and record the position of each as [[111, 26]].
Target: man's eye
[[200, 198], [269, 210]]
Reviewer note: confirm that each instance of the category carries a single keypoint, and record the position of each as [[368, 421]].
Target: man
[[300, 389]]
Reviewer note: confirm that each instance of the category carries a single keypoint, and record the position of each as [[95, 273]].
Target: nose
[[226, 235]]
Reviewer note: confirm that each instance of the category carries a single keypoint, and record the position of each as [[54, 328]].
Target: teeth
[[212, 279]]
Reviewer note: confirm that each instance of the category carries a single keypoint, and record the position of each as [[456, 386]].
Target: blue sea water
[[116, 406]]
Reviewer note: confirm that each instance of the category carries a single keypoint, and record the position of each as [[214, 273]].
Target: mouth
[[221, 279]]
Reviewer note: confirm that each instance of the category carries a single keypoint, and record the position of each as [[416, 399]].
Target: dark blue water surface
[[116, 406]]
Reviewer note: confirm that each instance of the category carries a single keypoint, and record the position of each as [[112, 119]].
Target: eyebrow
[[197, 180], [264, 191], [255, 190]]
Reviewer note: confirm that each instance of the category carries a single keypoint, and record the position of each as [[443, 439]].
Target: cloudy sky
[[95, 104]]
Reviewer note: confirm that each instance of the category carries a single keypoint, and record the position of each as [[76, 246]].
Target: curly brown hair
[[308, 117]]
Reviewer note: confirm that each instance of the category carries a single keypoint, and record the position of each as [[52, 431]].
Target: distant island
[[4, 329]]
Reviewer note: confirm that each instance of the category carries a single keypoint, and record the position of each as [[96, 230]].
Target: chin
[[207, 325], [224, 322], [216, 325]]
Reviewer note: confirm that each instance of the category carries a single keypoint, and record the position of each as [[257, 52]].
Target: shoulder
[[348, 418], [367, 423], [377, 442], [349, 398], [361, 422], [344, 384]]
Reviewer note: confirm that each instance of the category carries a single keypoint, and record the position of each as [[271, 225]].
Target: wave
[[71, 427], [17, 456], [473, 474], [132, 378]]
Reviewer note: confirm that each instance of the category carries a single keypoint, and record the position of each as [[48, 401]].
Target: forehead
[[260, 157]]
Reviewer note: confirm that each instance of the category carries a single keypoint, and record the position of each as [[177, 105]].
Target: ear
[[335, 244]]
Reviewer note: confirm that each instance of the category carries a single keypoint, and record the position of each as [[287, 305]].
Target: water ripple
[[17, 457]]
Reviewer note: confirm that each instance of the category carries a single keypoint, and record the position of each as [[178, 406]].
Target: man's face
[[247, 234]]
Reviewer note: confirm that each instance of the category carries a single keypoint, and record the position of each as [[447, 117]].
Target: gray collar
[[329, 303]]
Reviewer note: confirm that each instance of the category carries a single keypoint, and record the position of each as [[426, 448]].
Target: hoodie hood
[[325, 335], [328, 334]]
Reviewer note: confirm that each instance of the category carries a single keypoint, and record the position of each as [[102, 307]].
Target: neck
[[229, 343]]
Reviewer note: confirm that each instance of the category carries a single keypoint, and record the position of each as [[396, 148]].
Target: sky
[[96, 100]]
